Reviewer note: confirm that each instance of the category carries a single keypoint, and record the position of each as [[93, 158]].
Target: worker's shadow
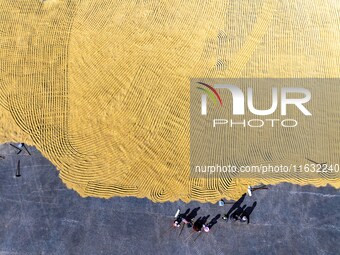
[[192, 215], [238, 212], [201, 220], [182, 215], [249, 211], [236, 205], [213, 221]]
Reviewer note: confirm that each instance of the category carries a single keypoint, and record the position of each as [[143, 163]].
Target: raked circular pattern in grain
[[102, 87]]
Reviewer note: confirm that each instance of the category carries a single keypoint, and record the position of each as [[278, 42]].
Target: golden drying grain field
[[101, 88]]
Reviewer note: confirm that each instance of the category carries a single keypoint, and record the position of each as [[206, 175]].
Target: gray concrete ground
[[39, 215]]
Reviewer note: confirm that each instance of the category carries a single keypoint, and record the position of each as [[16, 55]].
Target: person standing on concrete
[[237, 214], [199, 223], [235, 206], [179, 218], [245, 216], [188, 219]]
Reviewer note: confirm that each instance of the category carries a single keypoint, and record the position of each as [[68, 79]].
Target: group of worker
[[237, 212]]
